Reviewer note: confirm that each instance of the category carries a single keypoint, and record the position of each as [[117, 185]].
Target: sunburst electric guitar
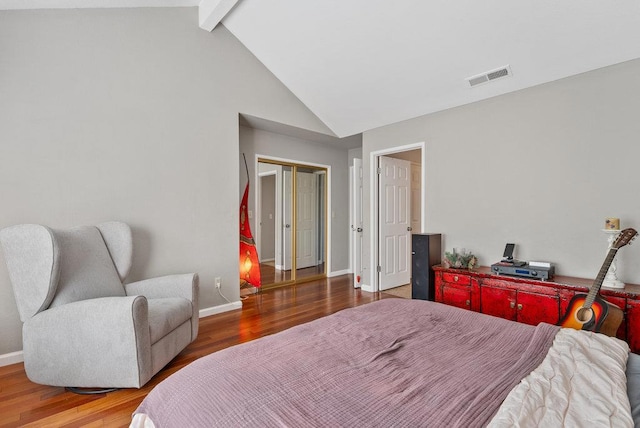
[[590, 311]]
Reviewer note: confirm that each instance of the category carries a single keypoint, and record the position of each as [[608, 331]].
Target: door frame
[[374, 206], [328, 210]]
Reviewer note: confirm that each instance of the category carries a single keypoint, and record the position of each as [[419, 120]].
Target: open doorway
[[398, 207]]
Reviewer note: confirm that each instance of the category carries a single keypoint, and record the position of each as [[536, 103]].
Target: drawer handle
[[455, 278], [519, 306], [468, 303], [512, 305]]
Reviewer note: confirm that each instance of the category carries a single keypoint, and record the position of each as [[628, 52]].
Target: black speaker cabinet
[[426, 251]]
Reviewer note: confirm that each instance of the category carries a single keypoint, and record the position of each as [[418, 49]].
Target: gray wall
[[541, 167], [132, 115], [354, 154], [257, 141]]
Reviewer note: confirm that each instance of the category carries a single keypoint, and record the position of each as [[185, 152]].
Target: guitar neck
[[595, 288]]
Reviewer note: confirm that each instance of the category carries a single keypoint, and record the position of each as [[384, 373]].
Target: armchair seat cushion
[[167, 314]]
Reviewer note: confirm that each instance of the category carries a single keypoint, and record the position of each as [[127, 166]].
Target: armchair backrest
[[49, 267]]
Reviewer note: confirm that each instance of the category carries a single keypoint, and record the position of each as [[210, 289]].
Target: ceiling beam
[[211, 12]]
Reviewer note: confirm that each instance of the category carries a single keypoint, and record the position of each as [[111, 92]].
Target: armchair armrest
[[185, 285], [103, 342]]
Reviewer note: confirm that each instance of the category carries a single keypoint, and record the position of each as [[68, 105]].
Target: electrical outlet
[[218, 282]]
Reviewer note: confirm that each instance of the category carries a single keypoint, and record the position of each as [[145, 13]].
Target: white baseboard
[[206, 312], [338, 273], [11, 358], [366, 287], [18, 357]]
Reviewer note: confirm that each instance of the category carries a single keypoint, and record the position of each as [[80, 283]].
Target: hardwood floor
[[23, 403], [271, 275]]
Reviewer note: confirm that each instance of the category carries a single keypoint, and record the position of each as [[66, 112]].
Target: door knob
[[409, 229], [287, 225], [512, 305], [359, 229], [519, 306]]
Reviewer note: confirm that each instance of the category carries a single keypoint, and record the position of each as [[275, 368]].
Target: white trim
[[356, 177], [374, 209], [367, 287], [351, 222], [11, 358], [206, 312], [338, 273]]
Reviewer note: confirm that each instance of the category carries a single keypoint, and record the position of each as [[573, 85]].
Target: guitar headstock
[[624, 238]]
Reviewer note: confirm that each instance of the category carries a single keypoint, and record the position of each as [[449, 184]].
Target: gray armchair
[[82, 326]]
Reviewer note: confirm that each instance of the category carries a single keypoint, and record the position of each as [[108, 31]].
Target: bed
[[398, 362]]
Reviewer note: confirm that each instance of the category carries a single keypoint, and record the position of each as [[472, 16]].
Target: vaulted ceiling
[[362, 64]]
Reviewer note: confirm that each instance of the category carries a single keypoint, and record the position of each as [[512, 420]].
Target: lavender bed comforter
[[394, 362]]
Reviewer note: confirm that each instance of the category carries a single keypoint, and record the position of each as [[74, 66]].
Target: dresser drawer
[[455, 278]]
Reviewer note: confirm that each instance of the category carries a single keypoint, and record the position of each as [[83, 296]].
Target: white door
[[286, 219], [356, 221], [307, 220], [395, 222]]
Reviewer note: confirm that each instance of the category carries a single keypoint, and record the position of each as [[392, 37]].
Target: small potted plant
[[459, 259]]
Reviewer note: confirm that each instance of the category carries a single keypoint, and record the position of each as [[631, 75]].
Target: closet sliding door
[[291, 222]]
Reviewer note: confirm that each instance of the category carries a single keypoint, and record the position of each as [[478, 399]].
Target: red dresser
[[531, 301]]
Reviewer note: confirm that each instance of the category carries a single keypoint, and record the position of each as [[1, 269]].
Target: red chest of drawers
[[531, 301]]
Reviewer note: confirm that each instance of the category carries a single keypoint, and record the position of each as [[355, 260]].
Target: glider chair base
[[90, 391]]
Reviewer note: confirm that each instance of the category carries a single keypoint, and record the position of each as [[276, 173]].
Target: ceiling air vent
[[498, 73]]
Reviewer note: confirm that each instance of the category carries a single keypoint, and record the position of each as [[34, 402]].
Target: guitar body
[[602, 316], [590, 311], [613, 320]]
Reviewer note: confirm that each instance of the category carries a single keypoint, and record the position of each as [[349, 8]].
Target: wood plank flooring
[[23, 403], [271, 275]]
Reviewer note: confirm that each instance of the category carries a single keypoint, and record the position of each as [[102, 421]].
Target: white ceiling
[[361, 64]]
